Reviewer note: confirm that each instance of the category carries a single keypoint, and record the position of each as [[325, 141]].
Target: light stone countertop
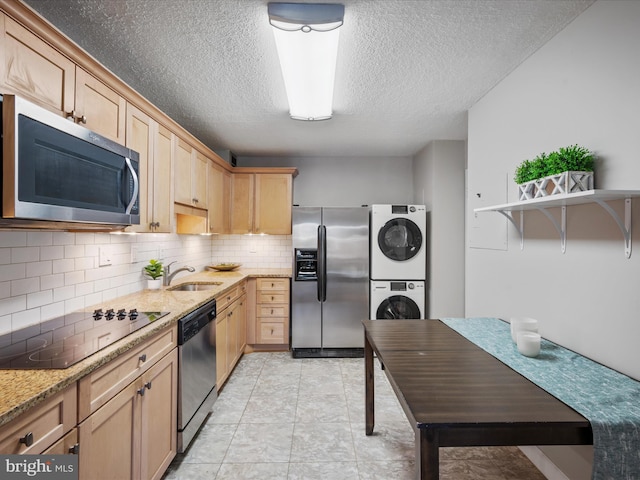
[[21, 390]]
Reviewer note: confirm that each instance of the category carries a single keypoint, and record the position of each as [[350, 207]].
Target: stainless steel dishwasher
[[196, 371]]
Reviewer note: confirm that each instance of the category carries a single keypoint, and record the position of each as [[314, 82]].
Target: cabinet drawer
[[103, 384], [223, 301], [281, 284], [274, 310], [66, 445], [272, 331], [273, 297], [43, 425]]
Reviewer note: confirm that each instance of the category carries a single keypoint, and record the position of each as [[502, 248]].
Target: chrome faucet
[[167, 277]]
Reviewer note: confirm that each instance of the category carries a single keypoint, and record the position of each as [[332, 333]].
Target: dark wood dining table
[[455, 394]]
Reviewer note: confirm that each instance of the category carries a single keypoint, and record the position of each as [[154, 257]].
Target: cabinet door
[[110, 438], [159, 421], [103, 110], [35, 70], [218, 201], [162, 182], [273, 198], [200, 166], [241, 339], [221, 349], [182, 173], [242, 203], [139, 137], [232, 335]]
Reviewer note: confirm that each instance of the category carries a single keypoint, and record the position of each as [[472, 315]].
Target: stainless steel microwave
[[56, 170]]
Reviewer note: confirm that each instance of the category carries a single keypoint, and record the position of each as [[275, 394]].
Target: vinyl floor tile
[[279, 418]]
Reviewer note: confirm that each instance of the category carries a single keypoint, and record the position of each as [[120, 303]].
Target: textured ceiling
[[407, 71]]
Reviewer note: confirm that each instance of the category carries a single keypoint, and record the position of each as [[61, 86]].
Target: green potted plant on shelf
[[567, 170], [153, 270]]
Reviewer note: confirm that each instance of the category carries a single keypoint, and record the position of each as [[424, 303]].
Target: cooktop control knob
[[97, 314], [110, 314], [122, 313], [133, 314]]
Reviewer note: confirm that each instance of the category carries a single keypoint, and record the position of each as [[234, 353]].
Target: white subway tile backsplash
[[73, 251], [64, 293], [48, 282], [39, 239], [46, 274], [25, 318], [39, 299], [73, 278], [14, 239], [53, 252], [25, 285], [12, 271], [13, 304], [38, 269], [63, 265]]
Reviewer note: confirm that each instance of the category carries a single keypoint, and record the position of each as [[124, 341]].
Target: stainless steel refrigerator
[[330, 288]]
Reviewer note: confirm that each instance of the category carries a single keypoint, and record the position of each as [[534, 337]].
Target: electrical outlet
[[135, 253], [104, 257]]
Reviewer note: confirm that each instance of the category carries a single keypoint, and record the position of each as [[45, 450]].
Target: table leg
[[427, 454], [368, 389]]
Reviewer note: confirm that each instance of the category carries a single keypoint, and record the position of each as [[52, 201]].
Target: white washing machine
[[397, 300], [398, 242]]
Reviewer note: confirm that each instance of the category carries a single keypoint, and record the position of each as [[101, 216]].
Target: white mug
[[529, 343], [522, 324]]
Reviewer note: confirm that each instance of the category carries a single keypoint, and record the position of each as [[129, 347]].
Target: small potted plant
[[154, 273], [567, 170]]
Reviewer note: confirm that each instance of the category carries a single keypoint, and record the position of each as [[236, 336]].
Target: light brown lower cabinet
[[133, 435], [231, 331], [42, 427]]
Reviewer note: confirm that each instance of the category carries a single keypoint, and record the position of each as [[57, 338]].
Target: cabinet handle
[[148, 385], [273, 298], [272, 311], [141, 390], [72, 115], [75, 450], [143, 357], [27, 439], [195, 200]]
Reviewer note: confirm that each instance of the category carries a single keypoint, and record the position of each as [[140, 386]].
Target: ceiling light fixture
[[307, 41]]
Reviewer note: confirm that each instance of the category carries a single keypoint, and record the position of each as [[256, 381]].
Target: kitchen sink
[[194, 287]]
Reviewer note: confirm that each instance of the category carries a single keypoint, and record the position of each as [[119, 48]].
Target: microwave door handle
[[136, 186]]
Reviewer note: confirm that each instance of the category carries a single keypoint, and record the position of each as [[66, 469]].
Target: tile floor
[[284, 418]]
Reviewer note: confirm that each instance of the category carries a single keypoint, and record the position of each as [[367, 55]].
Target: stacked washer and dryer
[[398, 261]]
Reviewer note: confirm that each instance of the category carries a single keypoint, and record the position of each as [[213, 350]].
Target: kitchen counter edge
[[21, 390]]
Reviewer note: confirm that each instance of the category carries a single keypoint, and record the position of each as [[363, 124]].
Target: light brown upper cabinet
[[154, 144], [37, 71], [219, 199], [190, 176], [99, 108], [262, 203]]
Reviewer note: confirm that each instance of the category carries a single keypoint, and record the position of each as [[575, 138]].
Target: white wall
[[439, 183], [344, 181], [581, 87]]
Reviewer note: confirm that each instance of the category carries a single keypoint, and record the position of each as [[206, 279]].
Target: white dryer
[[398, 242], [391, 300]]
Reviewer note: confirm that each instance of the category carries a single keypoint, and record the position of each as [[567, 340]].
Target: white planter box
[[565, 182]]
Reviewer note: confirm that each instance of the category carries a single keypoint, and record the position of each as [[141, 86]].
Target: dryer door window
[[398, 307], [400, 239]]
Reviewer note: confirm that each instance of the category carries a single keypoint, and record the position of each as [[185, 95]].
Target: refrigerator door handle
[[322, 263]]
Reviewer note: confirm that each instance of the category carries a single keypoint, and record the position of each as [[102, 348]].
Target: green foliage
[[572, 158], [154, 269]]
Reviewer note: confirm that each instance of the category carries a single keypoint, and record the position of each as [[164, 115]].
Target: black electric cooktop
[[63, 341]]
